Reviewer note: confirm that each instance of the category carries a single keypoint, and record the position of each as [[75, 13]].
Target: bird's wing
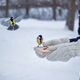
[[5, 23], [18, 19], [38, 40]]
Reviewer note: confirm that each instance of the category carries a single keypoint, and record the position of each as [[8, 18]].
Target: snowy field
[[18, 60]]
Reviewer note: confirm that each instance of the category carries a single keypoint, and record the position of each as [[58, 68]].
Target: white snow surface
[[18, 60]]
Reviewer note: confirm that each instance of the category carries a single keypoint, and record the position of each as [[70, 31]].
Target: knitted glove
[[64, 52], [56, 41]]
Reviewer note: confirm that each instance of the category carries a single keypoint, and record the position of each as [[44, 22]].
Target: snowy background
[[18, 60]]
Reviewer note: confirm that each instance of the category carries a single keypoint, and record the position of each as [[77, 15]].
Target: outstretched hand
[[61, 49]]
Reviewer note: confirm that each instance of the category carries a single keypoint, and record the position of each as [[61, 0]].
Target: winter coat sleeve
[[74, 39]]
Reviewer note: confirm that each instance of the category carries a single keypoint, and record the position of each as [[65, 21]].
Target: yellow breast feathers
[[12, 21]]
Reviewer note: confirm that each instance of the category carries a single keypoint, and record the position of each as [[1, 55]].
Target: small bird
[[39, 40], [11, 23]]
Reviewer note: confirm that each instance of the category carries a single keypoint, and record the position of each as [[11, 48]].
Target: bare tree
[[71, 15], [27, 9], [54, 9], [7, 8]]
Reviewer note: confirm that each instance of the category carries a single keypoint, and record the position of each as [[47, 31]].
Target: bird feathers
[[7, 23], [39, 39]]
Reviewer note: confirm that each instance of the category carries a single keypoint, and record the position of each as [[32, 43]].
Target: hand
[[53, 42], [56, 41], [64, 52]]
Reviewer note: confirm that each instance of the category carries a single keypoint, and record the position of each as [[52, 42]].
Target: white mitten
[[64, 52], [56, 41]]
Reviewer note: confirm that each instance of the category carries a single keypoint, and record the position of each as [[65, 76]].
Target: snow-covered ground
[[18, 60]]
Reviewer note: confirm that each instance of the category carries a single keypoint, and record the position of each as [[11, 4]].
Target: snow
[[18, 60]]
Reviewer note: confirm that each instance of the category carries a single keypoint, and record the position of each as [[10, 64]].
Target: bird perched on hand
[[11, 22], [39, 40]]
